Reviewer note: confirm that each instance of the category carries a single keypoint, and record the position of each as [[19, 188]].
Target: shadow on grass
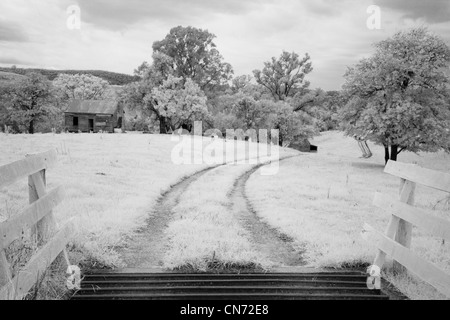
[[218, 267], [368, 165]]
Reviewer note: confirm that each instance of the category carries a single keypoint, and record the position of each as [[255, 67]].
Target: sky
[[117, 35]]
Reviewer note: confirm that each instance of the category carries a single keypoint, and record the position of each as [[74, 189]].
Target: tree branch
[[401, 150]]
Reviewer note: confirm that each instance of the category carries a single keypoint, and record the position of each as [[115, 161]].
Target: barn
[[94, 116]]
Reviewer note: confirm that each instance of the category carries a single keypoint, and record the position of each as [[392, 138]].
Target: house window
[[75, 121]]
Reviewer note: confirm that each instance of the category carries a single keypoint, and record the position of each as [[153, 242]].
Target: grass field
[[112, 181], [323, 200], [204, 231], [319, 200]]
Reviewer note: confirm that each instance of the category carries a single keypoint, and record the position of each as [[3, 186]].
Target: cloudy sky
[[117, 35]]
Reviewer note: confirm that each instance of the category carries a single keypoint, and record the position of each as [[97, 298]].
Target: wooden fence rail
[[396, 242], [38, 217]]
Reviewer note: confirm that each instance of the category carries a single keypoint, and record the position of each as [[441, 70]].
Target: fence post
[[45, 228], [404, 231], [390, 233], [5, 271]]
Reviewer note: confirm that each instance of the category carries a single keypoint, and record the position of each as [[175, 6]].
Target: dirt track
[[276, 246], [147, 247]]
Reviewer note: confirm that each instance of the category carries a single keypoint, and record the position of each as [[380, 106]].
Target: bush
[[139, 123]]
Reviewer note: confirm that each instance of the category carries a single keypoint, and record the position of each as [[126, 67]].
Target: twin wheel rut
[[146, 252], [273, 244], [146, 249]]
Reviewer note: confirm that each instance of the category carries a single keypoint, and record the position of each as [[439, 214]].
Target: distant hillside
[[6, 77], [113, 78]]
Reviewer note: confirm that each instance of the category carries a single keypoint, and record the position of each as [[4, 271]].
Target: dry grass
[[323, 200], [111, 182], [205, 235], [320, 200]]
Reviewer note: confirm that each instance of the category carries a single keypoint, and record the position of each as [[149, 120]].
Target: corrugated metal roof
[[93, 106]]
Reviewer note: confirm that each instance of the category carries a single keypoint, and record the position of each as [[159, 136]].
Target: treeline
[[33, 103], [116, 79], [398, 98], [188, 80]]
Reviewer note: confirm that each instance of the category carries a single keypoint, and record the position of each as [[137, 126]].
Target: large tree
[[294, 126], [139, 95], [239, 83], [27, 101], [253, 114], [179, 102], [194, 55], [397, 98], [81, 87], [285, 76]]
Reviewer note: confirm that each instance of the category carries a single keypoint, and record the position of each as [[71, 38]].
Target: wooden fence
[[396, 243], [38, 218]]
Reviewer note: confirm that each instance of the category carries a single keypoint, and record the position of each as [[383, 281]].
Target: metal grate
[[141, 286]]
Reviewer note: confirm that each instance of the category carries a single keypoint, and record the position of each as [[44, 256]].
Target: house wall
[[104, 122]]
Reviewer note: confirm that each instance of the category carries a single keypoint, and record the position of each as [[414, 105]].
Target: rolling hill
[[7, 77], [113, 78]]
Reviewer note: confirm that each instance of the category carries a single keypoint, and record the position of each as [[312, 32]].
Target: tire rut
[[147, 246], [275, 245]]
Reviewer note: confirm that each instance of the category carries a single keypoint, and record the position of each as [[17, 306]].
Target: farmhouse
[[94, 116]]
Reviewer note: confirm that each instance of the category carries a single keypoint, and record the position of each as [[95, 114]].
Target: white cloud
[[118, 35]]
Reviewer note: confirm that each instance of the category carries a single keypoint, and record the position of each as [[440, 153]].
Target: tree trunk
[[31, 127], [394, 152], [162, 125], [187, 127], [280, 137], [386, 154]]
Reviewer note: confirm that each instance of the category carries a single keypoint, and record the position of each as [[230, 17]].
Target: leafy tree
[[247, 113], [253, 114], [240, 83], [293, 126], [139, 95], [322, 106], [241, 87], [142, 69], [226, 121], [180, 102], [27, 101], [283, 77], [160, 70], [306, 98], [194, 55], [224, 103], [397, 98], [81, 87]]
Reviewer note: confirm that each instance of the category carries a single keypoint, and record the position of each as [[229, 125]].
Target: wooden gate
[[39, 218], [396, 243]]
